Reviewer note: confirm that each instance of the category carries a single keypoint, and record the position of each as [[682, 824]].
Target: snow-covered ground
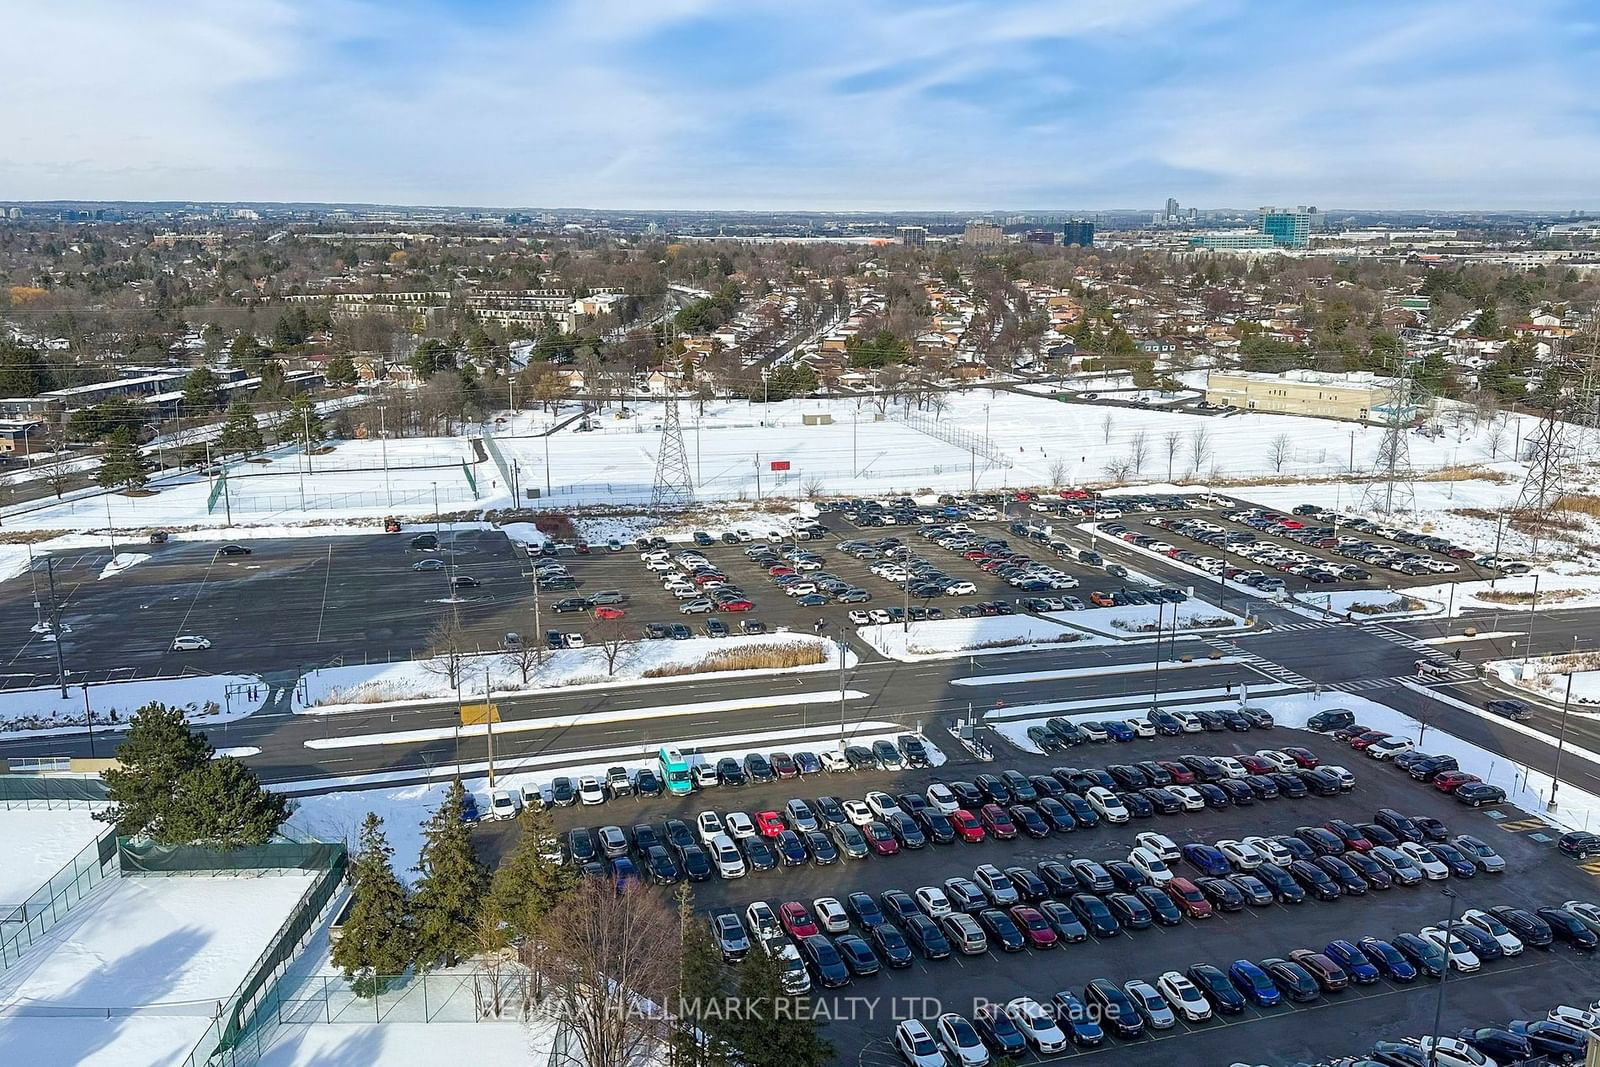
[[120, 562], [1560, 585], [363, 686], [32, 712], [1546, 676], [406, 1044], [38, 842], [1133, 620], [944, 638], [173, 948]]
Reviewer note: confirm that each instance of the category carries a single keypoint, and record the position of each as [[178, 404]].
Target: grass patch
[[1009, 642], [746, 658], [1546, 596], [1582, 503], [1386, 607]]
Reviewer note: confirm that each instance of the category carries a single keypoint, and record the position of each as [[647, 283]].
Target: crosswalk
[[1260, 663], [1389, 633], [1308, 625]]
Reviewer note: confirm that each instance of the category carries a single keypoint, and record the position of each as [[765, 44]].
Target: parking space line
[[327, 578]]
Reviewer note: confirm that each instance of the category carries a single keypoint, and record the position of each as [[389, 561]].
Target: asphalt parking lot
[[1521, 987]]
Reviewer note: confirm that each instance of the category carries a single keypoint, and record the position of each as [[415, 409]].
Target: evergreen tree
[[532, 881], [240, 433], [122, 464], [432, 356], [341, 370], [451, 887], [701, 1036], [302, 424], [201, 390], [158, 750], [221, 803], [774, 1028], [376, 941], [247, 353], [23, 371]]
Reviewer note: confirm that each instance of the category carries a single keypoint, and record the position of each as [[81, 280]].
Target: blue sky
[[829, 104]]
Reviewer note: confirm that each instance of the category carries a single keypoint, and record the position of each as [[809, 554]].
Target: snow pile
[[207, 699], [121, 562], [362, 686], [940, 638], [38, 842], [1546, 676], [1133, 620], [1372, 604]]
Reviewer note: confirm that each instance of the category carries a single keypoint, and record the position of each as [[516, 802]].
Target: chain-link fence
[[49, 790], [25, 923]]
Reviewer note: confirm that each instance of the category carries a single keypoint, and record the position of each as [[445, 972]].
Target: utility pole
[[1155, 687], [841, 694], [758, 477], [1532, 607], [383, 445], [1438, 1008], [1561, 745], [435, 509], [488, 720], [111, 528], [547, 463], [55, 626], [88, 712]]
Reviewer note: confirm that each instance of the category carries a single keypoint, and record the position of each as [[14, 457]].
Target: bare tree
[[1105, 426], [612, 640], [608, 959], [1199, 446], [446, 644], [1172, 440], [527, 658], [1494, 439], [1278, 450], [812, 486], [1138, 451], [1117, 470], [1058, 472]]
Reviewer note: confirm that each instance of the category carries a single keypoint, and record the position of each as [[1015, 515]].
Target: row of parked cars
[[691, 578], [1203, 992], [1267, 583], [1057, 734], [1442, 772], [799, 574], [1248, 546], [1412, 538]]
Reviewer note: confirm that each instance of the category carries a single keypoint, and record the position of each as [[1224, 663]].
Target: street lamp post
[[1561, 745], [1155, 687], [1444, 975], [383, 446], [1532, 607]]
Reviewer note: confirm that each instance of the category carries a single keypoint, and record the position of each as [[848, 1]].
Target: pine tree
[[532, 881], [201, 390], [376, 940], [702, 1034], [451, 887], [239, 432], [341, 370], [158, 750], [222, 804], [122, 464], [302, 422], [775, 1029]]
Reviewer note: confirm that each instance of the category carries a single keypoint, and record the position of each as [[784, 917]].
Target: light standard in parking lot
[[1561, 745], [1532, 607], [1438, 1008]]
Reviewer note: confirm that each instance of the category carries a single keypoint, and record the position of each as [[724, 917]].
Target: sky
[[830, 105]]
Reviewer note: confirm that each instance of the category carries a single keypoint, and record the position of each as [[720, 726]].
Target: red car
[[1181, 775], [975, 555], [1354, 840], [709, 577], [1303, 756], [880, 838], [606, 611], [1368, 739], [780, 572], [1187, 896], [1039, 933], [1074, 494], [737, 605], [968, 828], [770, 823], [1255, 764], [997, 822], [1450, 781], [797, 921]]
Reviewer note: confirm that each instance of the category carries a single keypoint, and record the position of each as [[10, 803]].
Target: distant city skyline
[[937, 106]]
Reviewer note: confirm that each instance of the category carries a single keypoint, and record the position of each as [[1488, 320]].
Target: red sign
[[780, 464]]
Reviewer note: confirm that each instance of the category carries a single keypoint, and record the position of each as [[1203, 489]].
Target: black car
[[905, 830], [1129, 910], [1529, 928], [1432, 829], [935, 826], [1118, 1013], [1510, 709], [1477, 794], [1029, 820], [1294, 980], [1580, 844], [1567, 927], [563, 793], [1499, 1044], [759, 769], [1057, 815], [791, 848], [1138, 807], [241, 550], [994, 789], [1289, 785], [1262, 786], [1093, 913], [1345, 876], [1029, 886], [823, 959], [890, 945], [1237, 791], [1002, 930], [581, 845], [1126, 875], [1218, 989], [1401, 826], [859, 757], [857, 955], [1222, 893], [925, 936], [729, 773], [1424, 955], [967, 795], [1283, 885], [646, 783], [1314, 880], [759, 854], [1557, 1041], [659, 866], [1164, 802], [999, 1032]]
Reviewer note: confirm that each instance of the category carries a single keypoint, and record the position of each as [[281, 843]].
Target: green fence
[[26, 923], [51, 791]]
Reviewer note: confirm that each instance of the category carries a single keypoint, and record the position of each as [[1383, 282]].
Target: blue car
[[1353, 960], [1207, 860], [1387, 959], [1078, 1022], [1253, 982], [624, 872], [1118, 731]]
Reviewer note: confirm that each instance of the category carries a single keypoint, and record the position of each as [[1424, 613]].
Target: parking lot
[[1334, 1023]]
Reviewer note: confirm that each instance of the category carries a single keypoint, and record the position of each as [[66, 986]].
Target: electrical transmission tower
[[1565, 435], [674, 486], [1391, 486]]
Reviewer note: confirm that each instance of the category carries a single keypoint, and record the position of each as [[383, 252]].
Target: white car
[[760, 917], [504, 804], [794, 976], [1462, 958], [1151, 1004], [961, 589], [880, 616], [942, 800], [960, 1040], [1231, 766], [1509, 942], [1160, 844], [858, 617], [1184, 996], [1270, 849], [857, 812], [1142, 728], [1037, 1027], [1579, 1018], [705, 775], [916, 1045], [1189, 723], [1432, 866], [1192, 800], [1105, 802], [1449, 1052], [1279, 761], [882, 805], [830, 914], [708, 824], [932, 901], [590, 791], [1347, 780], [190, 643], [1389, 748], [725, 854], [1241, 855], [1094, 731], [1151, 865]]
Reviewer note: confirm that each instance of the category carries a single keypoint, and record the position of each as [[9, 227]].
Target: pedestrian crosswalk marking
[[1519, 825]]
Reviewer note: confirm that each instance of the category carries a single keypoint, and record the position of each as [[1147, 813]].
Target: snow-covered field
[[31, 712], [943, 638], [1546, 676], [1133, 620], [363, 686], [153, 956], [406, 1044], [38, 842]]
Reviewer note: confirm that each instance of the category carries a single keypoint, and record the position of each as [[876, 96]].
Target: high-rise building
[[1172, 208], [1040, 237], [982, 234], [1289, 229], [1078, 232], [913, 236]]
